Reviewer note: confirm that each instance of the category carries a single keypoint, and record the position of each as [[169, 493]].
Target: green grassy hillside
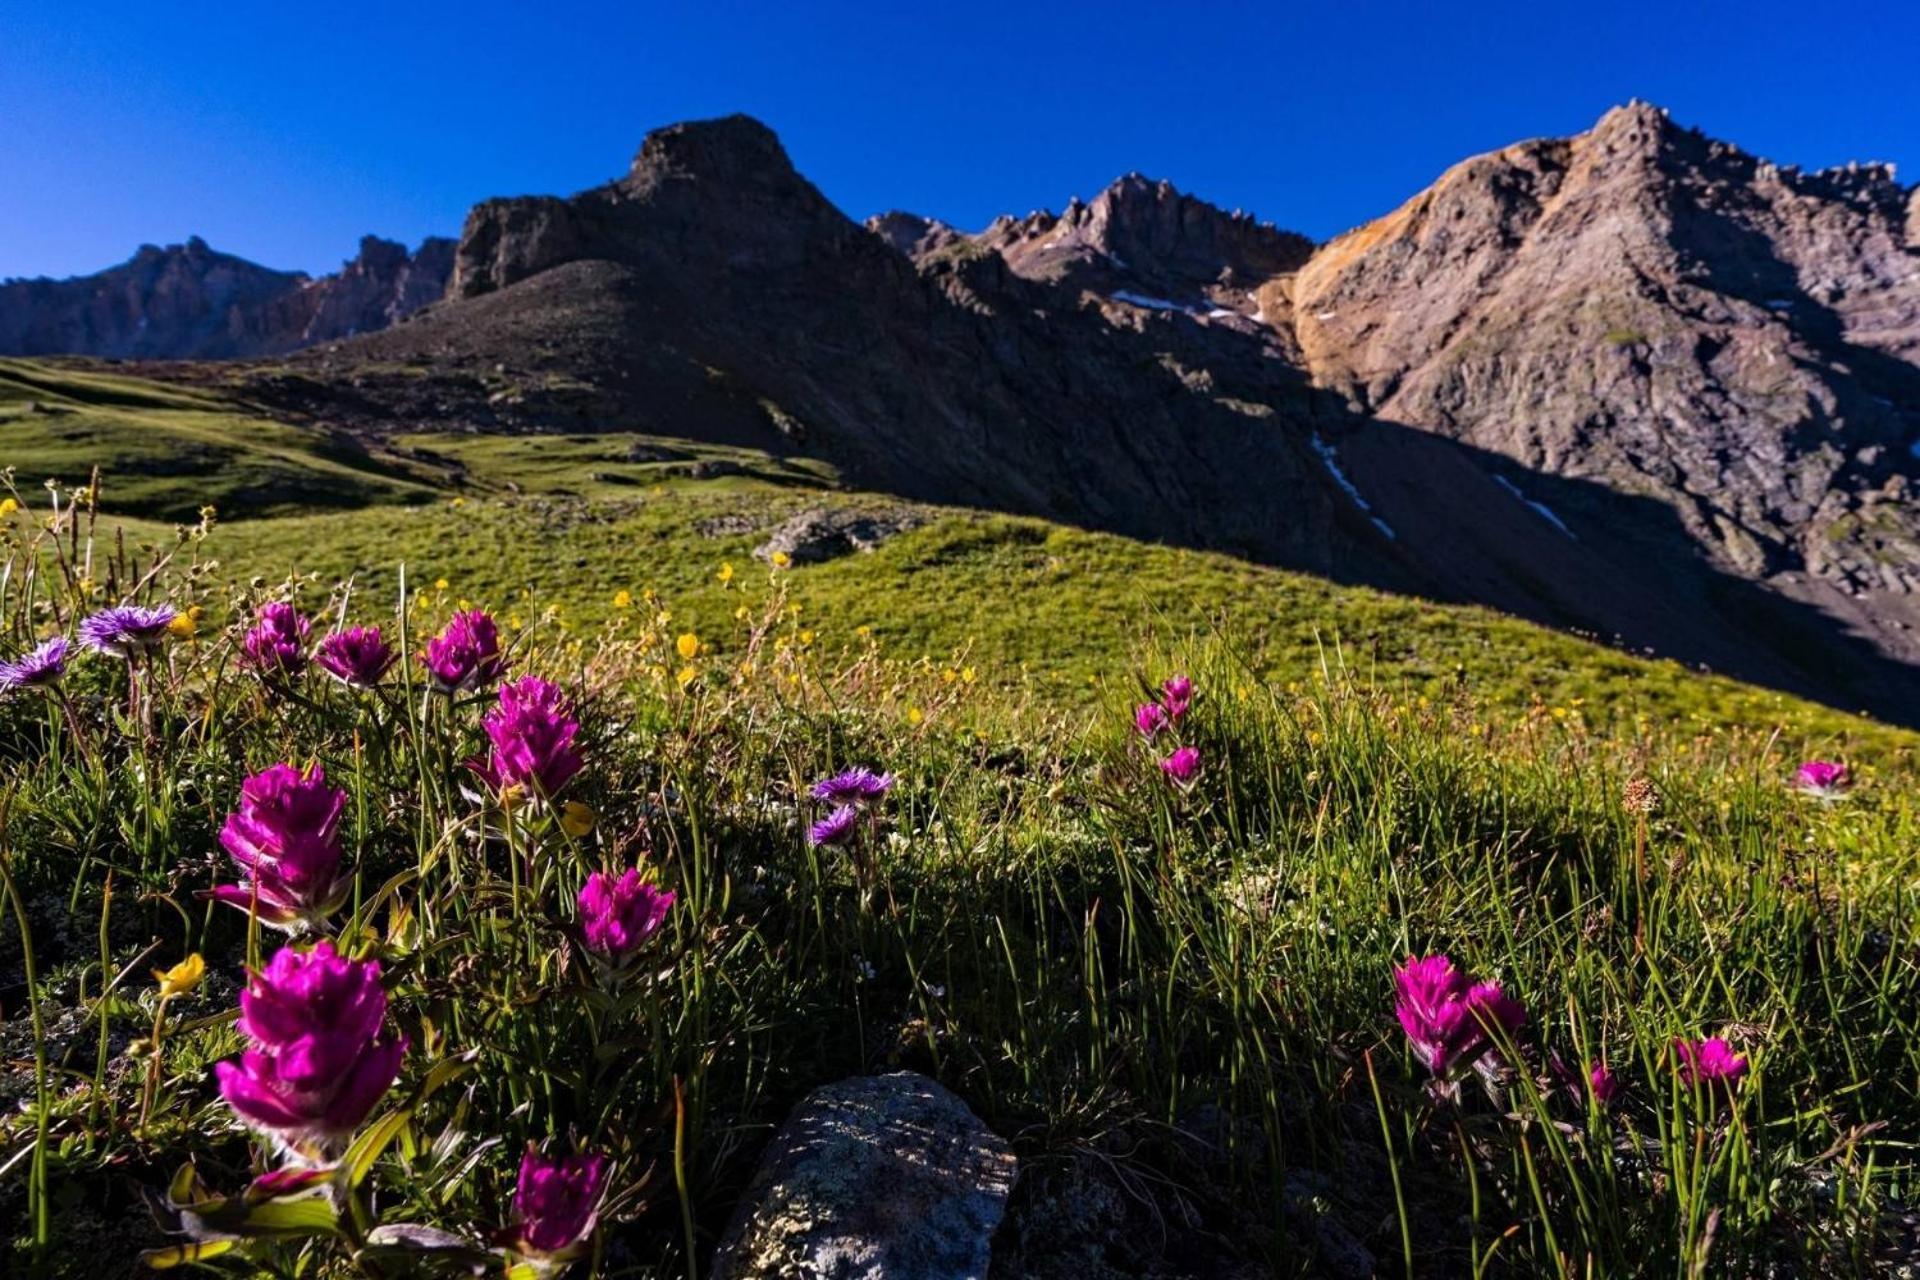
[[173, 450], [568, 523]]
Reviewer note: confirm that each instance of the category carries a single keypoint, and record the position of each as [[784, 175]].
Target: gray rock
[[818, 534], [877, 1176]]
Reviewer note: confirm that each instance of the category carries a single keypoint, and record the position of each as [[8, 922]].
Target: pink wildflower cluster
[[1162, 717]]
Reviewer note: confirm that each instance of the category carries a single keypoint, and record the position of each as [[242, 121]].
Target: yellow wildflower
[[182, 978], [742, 613], [969, 675], [623, 599], [914, 715], [577, 819], [440, 584], [7, 507], [726, 572], [780, 559], [685, 676], [186, 623], [806, 637], [687, 646], [863, 631]]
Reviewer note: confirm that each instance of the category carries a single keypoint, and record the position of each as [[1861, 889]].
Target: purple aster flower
[[858, 787], [466, 655], [277, 643], [1182, 767], [357, 656], [1150, 718], [1824, 779], [286, 838], [617, 916], [42, 667], [532, 735], [1177, 696], [556, 1203], [836, 828], [1446, 1016], [1708, 1061], [317, 1061], [127, 630]]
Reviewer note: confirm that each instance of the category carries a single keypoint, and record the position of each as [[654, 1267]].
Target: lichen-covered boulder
[[878, 1176]]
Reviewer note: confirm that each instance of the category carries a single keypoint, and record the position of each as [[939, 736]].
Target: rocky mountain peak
[[735, 151]]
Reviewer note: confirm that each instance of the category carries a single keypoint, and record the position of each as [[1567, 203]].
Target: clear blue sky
[[282, 132]]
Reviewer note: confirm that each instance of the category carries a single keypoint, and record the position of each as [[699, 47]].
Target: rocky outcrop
[[189, 301], [820, 533], [874, 1178]]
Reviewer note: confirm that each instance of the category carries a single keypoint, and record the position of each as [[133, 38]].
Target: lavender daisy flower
[[127, 630], [859, 787], [357, 656], [836, 828], [38, 669]]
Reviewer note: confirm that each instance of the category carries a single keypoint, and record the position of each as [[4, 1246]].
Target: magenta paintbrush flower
[[286, 837], [357, 656], [1176, 695], [127, 630], [276, 645], [1603, 1083], [1183, 766], [836, 828], [1149, 718], [1447, 1017], [556, 1202], [532, 734], [318, 1060], [1825, 779], [618, 916], [1707, 1061], [466, 655], [858, 787], [42, 667]]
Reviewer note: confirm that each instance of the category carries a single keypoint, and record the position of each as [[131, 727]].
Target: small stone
[[884, 1177]]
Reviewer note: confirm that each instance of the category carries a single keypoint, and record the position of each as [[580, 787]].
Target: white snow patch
[[1384, 527], [1331, 460], [1141, 300], [1540, 509], [1221, 313], [1325, 315]]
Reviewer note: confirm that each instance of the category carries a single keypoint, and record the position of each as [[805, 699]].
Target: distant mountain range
[[188, 301], [1634, 382]]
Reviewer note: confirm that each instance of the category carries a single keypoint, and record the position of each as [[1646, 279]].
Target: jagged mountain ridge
[[189, 301], [1633, 382]]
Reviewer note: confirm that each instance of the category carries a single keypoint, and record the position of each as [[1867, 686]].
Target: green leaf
[[311, 1215], [370, 1145], [176, 1255]]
